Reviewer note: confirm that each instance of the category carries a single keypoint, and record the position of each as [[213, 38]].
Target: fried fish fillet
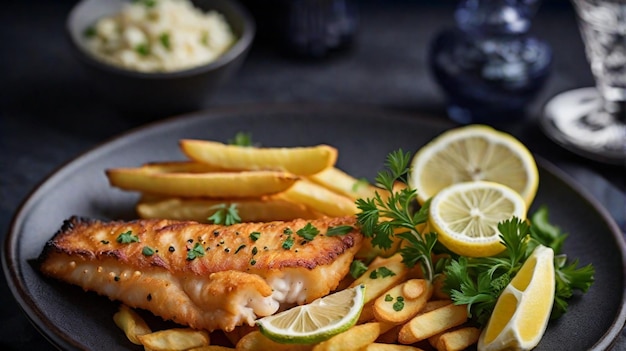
[[203, 275]]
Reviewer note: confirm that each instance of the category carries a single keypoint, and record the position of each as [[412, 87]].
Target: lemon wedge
[[317, 321], [522, 311], [466, 216], [471, 153]]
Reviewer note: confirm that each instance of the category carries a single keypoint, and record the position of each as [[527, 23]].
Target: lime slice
[[522, 311], [466, 216], [474, 153], [316, 321]]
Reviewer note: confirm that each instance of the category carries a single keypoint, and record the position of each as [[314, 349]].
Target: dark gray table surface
[[48, 114]]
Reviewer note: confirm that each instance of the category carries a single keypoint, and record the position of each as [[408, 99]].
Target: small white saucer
[[568, 120]]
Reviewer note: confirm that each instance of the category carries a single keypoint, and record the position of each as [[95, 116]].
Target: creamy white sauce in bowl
[[158, 36]]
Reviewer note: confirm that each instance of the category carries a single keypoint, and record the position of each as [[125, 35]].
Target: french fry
[[403, 301], [367, 313], [296, 160], [455, 340], [320, 199], [438, 287], [427, 324], [355, 338], [255, 341], [376, 283], [264, 209], [391, 335], [435, 304], [390, 347], [178, 167], [131, 323], [369, 251], [217, 184], [174, 339], [344, 184]]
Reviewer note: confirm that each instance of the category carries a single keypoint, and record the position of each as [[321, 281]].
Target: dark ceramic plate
[[73, 319]]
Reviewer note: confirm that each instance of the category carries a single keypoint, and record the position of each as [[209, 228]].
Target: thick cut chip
[[342, 183], [218, 184], [296, 160], [320, 199], [174, 339], [265, 209]]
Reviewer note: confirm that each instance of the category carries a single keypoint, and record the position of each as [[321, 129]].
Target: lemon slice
[[466, 216], [316, 321], [471, 153], [522, 311]]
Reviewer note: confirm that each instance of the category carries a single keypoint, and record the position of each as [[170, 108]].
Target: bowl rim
[[243, 43]]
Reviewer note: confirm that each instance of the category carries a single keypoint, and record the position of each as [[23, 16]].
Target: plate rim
[[60, 339]]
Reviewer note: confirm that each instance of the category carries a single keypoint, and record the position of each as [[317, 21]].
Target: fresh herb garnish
[[146, 3], [90, 32], [225, 214], [339, 230], [357, 268], [288, 243], [288, 231], [382, 272], [478, 282], [568, 276], [164, 38], [399, 304], [197, 251], [379, 217], [361, 182], [127, 238], [388, 298], [142, 49], [147, 251], [254, 236], [241, 139], [308, 232]]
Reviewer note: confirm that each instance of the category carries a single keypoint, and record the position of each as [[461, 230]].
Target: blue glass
[[489, 66], [315, 28]]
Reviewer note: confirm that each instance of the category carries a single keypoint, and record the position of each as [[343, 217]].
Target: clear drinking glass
[[592, 121]]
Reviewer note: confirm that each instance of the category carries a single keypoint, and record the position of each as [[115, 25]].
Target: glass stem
[[616, 108]]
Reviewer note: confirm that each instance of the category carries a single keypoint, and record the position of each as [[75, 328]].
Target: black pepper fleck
[[117, 279], [172, 249], [216, 233], [149, 297], [227, 249], [190, 240]]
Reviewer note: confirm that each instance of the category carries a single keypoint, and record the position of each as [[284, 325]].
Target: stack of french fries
[[265, 184], [269, 184]]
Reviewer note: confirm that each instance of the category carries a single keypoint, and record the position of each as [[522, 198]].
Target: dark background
[[49, 115]]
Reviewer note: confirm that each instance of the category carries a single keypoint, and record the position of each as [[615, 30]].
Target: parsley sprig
[[478, 282], [225, 214], [380, 217]]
